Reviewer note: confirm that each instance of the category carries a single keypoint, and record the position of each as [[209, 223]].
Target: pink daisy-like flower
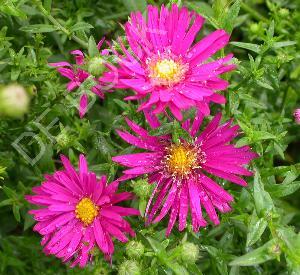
[[79, 212], [297, 116], [77, 76], [180, 170], [165, 68]]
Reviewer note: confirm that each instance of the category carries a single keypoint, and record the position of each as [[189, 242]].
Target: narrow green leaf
[[257, 256], [248, 46], [6, 202], [194, 269], [156, 246], [178, 269], [39, 28], [135, 5], [9, 8], [282, 190], [263, 201], [92, 47], [47, 5], [9, 192], [282, 44], [290, 245], [16, 212], [262, 135], [206, 11], [81, 26], [231, 16], [256, 229]]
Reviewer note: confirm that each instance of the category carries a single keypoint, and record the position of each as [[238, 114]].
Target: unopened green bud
[[14, 101], [142, 188], [63, 139], [189, 253], [101, 271], [284, 12], [129, 267], [96, 66], [134, 249], [275, 250], [254, 28]]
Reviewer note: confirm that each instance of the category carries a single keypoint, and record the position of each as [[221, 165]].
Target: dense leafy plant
[[261, 235]]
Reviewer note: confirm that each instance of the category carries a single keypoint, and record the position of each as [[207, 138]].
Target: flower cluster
[[167, 71], [77, 74]]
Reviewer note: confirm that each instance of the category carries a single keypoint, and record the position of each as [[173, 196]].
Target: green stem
[[253, 12], [283, 100], [59, 26]]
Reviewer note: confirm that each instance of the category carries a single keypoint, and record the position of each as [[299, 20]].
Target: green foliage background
[[261, 235]]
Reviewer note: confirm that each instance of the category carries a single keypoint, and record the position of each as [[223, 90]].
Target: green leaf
[[206, 11], [135, 5], [92, 47], [10, 192], [47, 5], [39, 28], [257, 256], [282, 190], [248, 46], [256, 229], [16, 212], [231, 16], [156, 246], [290, 245], [178, 269], [262, 199], [202, 8], [262, 135], [6, 202], [194, 269], [9, 8], [282, 44], [28, 221], [81, 26], [122, 104]]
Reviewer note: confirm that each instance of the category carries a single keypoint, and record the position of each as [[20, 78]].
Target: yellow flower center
[[167, 72], [86, 211], [181, 159]]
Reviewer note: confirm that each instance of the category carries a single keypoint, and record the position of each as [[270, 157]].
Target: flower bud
[[284, 12], [141, 188], [297, 116], [189, 253], [63, 139], [254, 28], [134, 249], [96, 66], [14, 101], [101, 271], [129, 267]]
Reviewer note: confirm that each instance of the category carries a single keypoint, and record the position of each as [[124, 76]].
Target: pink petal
[[100, 236], [83, 105], [168, 203], [184, 207]]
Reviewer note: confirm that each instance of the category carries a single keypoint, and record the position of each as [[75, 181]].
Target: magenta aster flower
[[180, 170], [297, 116], [79, 212], [165, 68], [77, 75]]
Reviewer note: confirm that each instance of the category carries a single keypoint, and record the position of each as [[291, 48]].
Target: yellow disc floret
[[181, 159], [167, 72], [86, 211]]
